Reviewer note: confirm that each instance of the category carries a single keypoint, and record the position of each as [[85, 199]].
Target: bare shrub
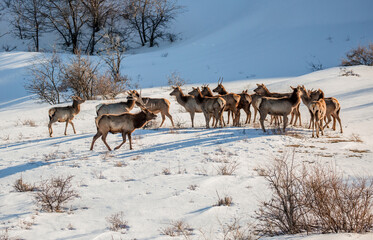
[[338, 204], [21, 186], [166, 171], [228, 168], [116, 222], [178, 228], [55, 192], [236, 231], [308, 199], [315, 66], [175, 80], [346, 73], [193, 187], [361, 55], [46, 80], [81, 76], [283, 213], [225, 201]]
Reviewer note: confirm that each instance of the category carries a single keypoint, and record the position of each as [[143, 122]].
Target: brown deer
[[64, 114], [206, 92], [318, 110], [278, 106], [254, 100], [211, 106], [156, 105], [120, 107], [263, 91], [187, 101], [232, 100], [125, 123], [332, 110]]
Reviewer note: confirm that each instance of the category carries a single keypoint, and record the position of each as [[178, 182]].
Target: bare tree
[[46, 81], [29, 20], [99, 12], [150, 18], [68, 18]]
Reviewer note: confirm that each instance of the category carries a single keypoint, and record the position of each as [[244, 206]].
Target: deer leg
[[261, 119], [228, 116], [255, 112], [130, 140], [248, 115], [50, 128], [207, 119], [292, 116], [72, 124], [163, 118], [124, 140], [321, 127], [334, 123], [95, 137], [285, 121], [170, 117], [339, 121], [299, 117], [104, 135], [192, 118], [311, 120], [327, 122], [67, 123]]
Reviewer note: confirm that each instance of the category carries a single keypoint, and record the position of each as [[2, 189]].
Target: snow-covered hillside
[[137, 183], [173, 174], [236, 40]]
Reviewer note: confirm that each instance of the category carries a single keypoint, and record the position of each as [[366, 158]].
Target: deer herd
[[116, 117]]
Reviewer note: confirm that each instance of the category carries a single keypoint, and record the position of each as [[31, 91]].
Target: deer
[[245, 103], [232, 100], [278, 106], [187, 101], [64, 114], [156, 105], [120, 107], [206, 92], [263, 91], [333, 109], [125, 123], [211, 106], [317, 108]]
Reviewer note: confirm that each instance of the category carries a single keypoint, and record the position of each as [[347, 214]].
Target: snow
[[246, 42]]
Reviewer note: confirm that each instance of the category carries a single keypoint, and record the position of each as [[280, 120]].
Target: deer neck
[[181, 98], [209, 93], [306, 98], [140, 120], [76, 107], [223, 91], [295, 98], [130, 103]]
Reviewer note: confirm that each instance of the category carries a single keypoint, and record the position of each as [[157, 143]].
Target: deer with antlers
[[232, 100], [64, 114], [156, 105], [211, 106]]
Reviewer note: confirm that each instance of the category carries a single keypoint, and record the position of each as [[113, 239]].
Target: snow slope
[[236, 40], [134, 181]]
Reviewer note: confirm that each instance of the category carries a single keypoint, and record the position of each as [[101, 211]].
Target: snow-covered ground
[[134, 181], [246, 42]]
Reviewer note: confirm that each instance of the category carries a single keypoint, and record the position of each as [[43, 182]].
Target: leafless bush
[[283, 213], [175, 80], [346, 73], [338, 204], [227, 168], [116, 222], [55, 192], [108, 87], [192, 187], [359, 56], [178, 228], [315, 66], [21, 186], [226, 201], [46, 79], [235, 231], [81, 76], [166, 171], [28, 122], [317, 198]]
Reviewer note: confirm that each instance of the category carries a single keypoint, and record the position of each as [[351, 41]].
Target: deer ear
[[292, 87], [258, 84]]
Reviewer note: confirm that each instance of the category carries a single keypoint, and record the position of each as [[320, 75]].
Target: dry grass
[[237, 231], [120, 164], [225, 201], [21, 186], [359, 151], [178, 228], [166, 171], [193, 187], [26, 122], [116, 222], [227, 168]]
